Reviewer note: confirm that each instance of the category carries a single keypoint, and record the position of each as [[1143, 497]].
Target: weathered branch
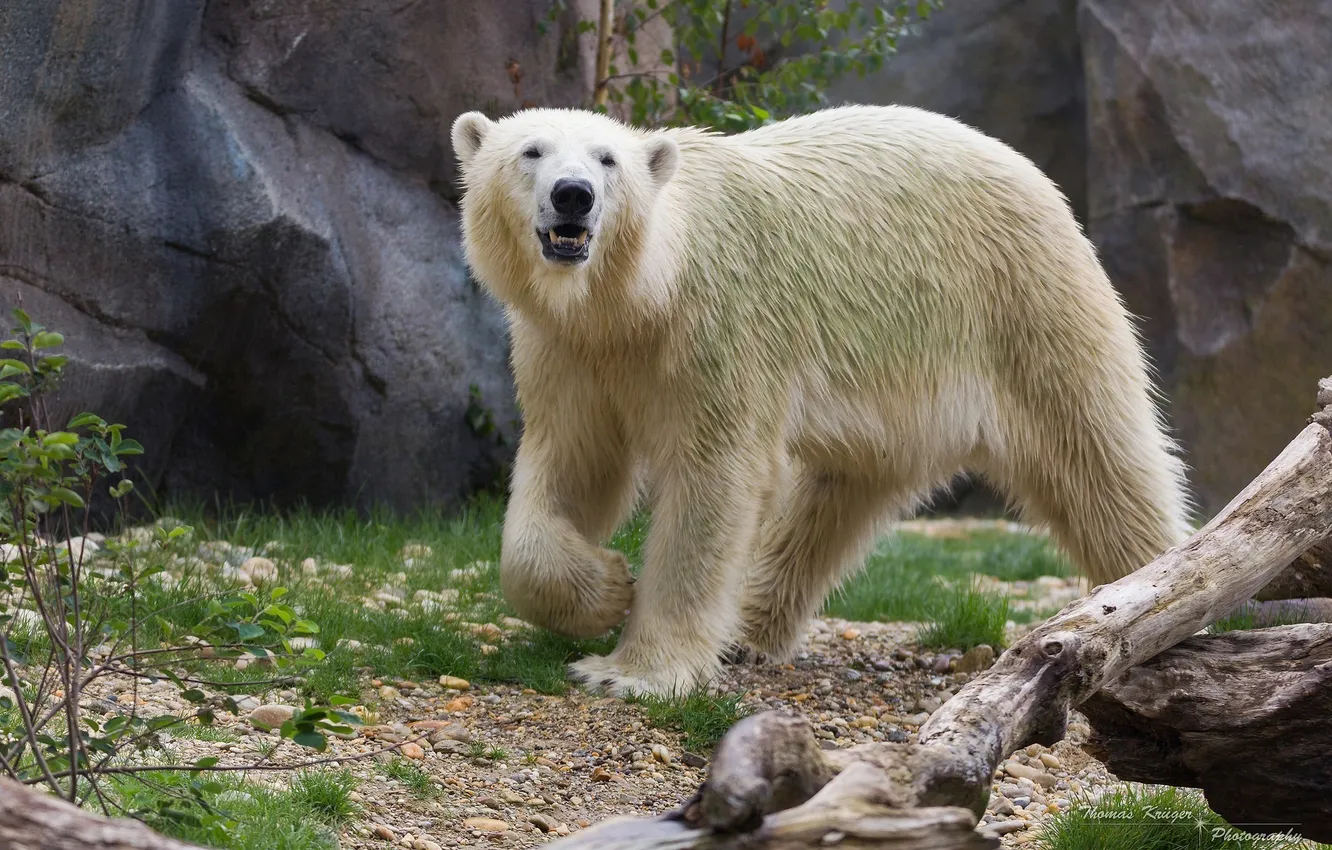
[[1243, 716], [930, 794], [605, 33], [29, 819]]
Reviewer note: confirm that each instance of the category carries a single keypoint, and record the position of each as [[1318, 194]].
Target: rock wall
[[241, 214], [1193, 138]]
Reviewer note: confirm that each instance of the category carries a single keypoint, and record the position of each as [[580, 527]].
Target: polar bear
[[781, 338]]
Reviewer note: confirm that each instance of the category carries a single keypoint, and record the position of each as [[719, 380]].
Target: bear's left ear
[[663, 157], [469, 131]]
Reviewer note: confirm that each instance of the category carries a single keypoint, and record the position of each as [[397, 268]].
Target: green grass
[[412, 776], [899, 580], [240, 815], [703, 718], [966, 617], [326, 794], [1137, 818], [1245, 618]]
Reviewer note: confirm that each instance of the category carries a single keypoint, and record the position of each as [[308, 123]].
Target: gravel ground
[[556, 764]]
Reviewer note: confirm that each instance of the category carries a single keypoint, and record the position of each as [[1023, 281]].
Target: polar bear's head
[[553, 190]]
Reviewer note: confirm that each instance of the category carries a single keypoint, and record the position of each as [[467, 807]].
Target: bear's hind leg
[[1101, 474], [821, 530]]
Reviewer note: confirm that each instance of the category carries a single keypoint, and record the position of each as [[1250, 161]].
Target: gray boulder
[[1210, 198], [242, 216]]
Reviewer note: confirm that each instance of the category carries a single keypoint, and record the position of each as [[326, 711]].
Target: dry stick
[[929, 794], [603, 53]]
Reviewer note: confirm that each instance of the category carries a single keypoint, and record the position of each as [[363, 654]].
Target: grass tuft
[[1245, 618], [1145, 818], [417, 780], [703, 718], [326, 794], [967, 617]]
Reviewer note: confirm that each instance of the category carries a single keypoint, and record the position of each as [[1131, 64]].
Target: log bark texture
[[1245, 716], [769, 775], [33, 820]]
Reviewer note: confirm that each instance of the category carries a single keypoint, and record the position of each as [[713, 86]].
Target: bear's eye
[[608, 161], [532, 153]]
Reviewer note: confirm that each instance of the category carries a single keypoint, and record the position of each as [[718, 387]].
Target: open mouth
[[566, 243]]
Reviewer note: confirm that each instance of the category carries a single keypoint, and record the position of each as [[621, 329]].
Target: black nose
[[572, 197]]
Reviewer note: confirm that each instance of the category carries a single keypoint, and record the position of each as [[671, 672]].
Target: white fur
[[786, 336]]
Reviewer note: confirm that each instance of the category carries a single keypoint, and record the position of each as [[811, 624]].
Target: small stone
[[413, 751], [601, 774], [1003, 806], [918, 719], [383, 832], [271, 716], [349, 644], [1050, 760], [310, 567], [259, 569], [486, 825], [1022, 771], [661, 754], [389, 692], [850, 634], [942, 664], [976, 659], [693, 760], [1005, 827], [247, 703], [454, 683], [1021, 802], [459, 704], [865, 722], [542, 823], [427, 844], [851, 675]]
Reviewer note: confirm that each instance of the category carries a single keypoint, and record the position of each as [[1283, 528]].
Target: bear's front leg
[[572, 485], [704, 520]]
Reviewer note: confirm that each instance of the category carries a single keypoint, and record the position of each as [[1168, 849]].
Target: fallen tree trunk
[[1244, 716], [34, 820], [770, 786]]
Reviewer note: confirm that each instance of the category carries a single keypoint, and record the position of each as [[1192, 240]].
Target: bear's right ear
[[469, 131]]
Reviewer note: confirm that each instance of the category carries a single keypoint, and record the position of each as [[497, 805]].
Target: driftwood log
[[770, 786], [1245, 716], [35, 820]]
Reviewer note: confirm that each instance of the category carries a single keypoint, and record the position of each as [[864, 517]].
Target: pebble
[[1022, 771], [976, 659], [413, 751], [542, 823], [941, 664], [1050, 760], [1002, 807], [459, 704], [486, 825], [693, 760], [850, 634], [259, 569], [601, 774], [661, 754], [383, 832], [454, 683], [272, 715]]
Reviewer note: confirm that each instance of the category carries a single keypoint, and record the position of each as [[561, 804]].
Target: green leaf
[[128, 447], [205, 762], [248, 631], [47, 339], [65, 495], [83, 420], [314, 740]]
